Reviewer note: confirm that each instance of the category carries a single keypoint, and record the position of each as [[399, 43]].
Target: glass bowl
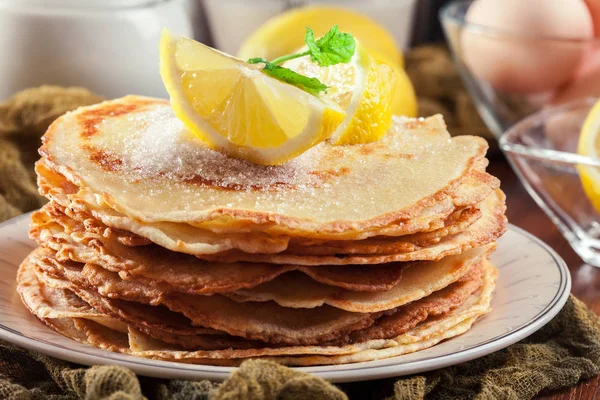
[[510, 76], [542, 149]]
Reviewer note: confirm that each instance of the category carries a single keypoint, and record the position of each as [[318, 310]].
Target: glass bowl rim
[[509, 146], [448, 13]]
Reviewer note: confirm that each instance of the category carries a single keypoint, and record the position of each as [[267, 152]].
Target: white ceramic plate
[[533, 286]]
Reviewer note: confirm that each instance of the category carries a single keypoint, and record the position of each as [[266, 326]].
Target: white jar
[[107, 46]]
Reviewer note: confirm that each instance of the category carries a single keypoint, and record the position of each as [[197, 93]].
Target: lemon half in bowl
[[589, 145]]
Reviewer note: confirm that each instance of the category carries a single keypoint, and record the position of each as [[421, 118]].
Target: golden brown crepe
[[133, 156], [455, 304]]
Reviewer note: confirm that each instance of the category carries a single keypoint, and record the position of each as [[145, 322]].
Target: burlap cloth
[[559, 355]]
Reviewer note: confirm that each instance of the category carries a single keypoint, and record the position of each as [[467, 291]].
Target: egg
[[506, 48], [585, 81], [586, 86], [594, 7]]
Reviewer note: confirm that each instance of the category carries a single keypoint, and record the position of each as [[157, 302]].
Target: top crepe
[[136, 157]]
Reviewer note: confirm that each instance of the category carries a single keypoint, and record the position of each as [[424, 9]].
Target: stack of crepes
[[156, 246]]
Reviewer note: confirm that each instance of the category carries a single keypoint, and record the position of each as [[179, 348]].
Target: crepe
[[422, 336], [156, 172], [418, 281], [444, 325], [481, 232], [262, 321], [170, 272], [105, 291], [290, 290], [454, 223], [486, 230], [81, 205]]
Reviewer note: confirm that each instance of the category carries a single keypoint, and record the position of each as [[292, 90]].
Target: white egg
[[594, 7], [512, 48], [585, 82], [585, 86]]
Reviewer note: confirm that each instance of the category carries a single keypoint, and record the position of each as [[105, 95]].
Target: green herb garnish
[[310, 85], [333, 48]]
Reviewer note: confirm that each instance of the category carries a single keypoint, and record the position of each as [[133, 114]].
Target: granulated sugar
[[160, 145]]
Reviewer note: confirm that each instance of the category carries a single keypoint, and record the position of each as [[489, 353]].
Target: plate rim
[[173, 370]]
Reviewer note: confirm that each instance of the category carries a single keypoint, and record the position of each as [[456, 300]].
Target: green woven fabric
[[559, 355]]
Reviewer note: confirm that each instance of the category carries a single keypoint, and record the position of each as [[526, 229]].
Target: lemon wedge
[[236, 109], [363, 88], [404, 101], [284, 33], [589, 145]]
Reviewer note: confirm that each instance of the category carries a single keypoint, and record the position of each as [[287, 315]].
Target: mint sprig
[[310, 85], [333, 48]]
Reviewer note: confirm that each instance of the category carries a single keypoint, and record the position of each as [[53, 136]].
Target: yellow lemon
[[589, 145], [235, 108], [404, 101], [362, 87], [284, 33]]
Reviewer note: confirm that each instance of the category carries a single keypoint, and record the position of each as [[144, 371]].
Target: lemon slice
[[363, 88], [284, 33], [589, 145], [236, 109]]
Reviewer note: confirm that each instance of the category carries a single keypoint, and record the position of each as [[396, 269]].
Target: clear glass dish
[[542, 149], [512, 75]]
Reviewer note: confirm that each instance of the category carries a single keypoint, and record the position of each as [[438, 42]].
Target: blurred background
[[111, 46], [523, 74], [69, 39]]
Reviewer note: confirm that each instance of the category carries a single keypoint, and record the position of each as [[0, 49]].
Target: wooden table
[[524, 212]]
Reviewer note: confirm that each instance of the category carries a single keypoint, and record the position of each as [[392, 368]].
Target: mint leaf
[[310, 85], [313, 48], [333, 48]]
